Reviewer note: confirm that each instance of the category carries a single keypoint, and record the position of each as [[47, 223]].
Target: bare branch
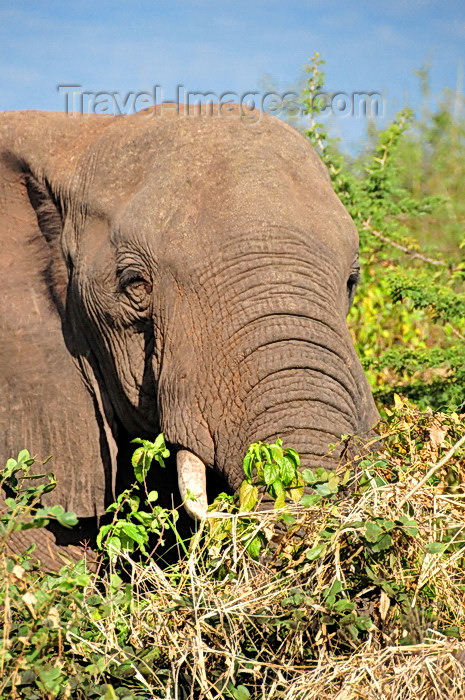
[[412, 253]]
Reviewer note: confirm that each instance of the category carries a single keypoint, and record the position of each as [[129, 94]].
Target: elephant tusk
[[192, 479]]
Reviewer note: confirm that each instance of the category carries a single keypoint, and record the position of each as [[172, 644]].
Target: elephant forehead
[[214, 186], [230, 224]]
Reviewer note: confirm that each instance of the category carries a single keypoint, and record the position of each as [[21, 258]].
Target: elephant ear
[[46, 404]]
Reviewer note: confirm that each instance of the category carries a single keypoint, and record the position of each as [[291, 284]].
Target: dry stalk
[[230, 621], [433, 470]]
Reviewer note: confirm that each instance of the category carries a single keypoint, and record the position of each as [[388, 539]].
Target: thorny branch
[[404, 249]]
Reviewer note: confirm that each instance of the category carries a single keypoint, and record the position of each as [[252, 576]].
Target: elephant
[[181, 273]]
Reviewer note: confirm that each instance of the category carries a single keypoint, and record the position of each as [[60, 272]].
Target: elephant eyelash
[[353, 278], [352, 284], [136, 291], [133, 279]]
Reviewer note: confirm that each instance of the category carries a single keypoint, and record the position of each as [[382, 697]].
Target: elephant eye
[[353, 281], [135, 286]]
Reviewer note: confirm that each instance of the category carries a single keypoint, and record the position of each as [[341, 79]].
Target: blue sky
[[220, 46]]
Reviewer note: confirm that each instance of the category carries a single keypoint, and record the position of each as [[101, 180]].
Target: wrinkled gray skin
[[190, 275]]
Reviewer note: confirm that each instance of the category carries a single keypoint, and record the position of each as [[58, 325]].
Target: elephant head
[[197, 271]]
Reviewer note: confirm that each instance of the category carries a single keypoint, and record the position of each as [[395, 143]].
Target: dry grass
[[221, 619], [220, 624], [420, 672]]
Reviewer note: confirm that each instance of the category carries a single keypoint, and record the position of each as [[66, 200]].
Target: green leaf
[[372, 531], [333, 483], [322, 474], [53, 510], [310, 499], [278, 492], [33, 525], [134, 532], [270, 473], [343, 605], [336, 587], [115, 582], [309, 477], [288, 471], [259, 468], [159, 443], [346, 477], [354, 524], [46, 488], [114, 542], [110, 693], [363, 623], [288, 519], [327, 534], [10, 466], [143, 517], [265, 452], [248, 496], [314, 553], [410, 527], [348, 619], [133, 503], [239, 692], [138, 460], [247, 466], [50, 680], [435, 547], [254, 547], [296, 491], [323, 489], [23, 457], [293, 456], [277, 453], [386, 524], [370, 573], [141, 463], [102, 533], [384, 542], [67, 519]]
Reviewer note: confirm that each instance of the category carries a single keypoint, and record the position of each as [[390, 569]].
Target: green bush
[[408, 319]]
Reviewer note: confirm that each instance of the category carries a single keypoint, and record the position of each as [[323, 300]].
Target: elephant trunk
[[306, 402], [282, 366], [298, 390], [302, 392]]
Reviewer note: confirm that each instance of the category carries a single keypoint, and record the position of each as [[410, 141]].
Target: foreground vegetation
[[358, 592], [355, 589]]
